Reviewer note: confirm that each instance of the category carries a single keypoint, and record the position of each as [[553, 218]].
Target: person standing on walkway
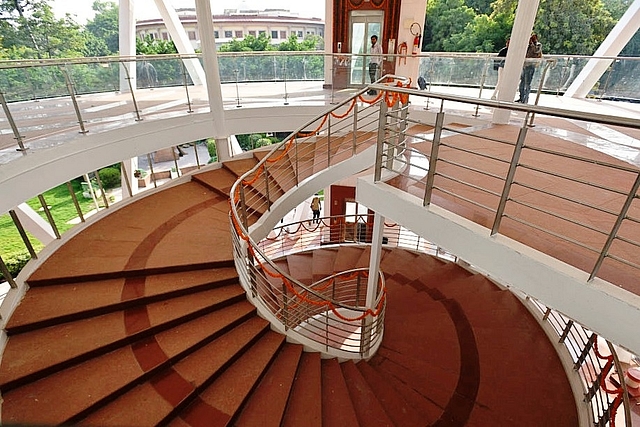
[[375, 61], [498, 65], [534, 50], [315, 208]]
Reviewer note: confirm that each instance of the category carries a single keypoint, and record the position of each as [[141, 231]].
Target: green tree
[[151, 46], [445, 19], [104, 25], [311, 42], [575, 27], [32, 24], [248, 44]]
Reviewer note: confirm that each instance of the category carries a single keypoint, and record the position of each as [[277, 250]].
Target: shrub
[[110, 177], [211, 148], [16, 262]]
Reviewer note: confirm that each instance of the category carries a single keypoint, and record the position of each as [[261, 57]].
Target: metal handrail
[[581, 345], [494, 194], [250, 198]]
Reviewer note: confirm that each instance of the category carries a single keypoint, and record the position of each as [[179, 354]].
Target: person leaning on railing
[[534, 50]]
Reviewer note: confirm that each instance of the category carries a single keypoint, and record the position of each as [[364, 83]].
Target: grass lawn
[[62, 209]]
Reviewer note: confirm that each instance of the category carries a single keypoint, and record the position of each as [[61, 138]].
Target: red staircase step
[[220, 403], [301, 157], [300, 267], [473, 285], [428, 410], [368, 408], [397, 261], [268, 402], [305, 401], [396, 407], [133, 238], [65, 395], [365, 258], [337, 408], [116, 329], [89, 299], [442, 274], [219, 180], [281, 171], [347, 257], [160, 399], [323, 261]]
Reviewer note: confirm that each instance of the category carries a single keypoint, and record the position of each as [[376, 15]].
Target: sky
[[146, 9]]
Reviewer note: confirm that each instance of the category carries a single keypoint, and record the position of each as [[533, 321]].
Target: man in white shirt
[[375, 61]]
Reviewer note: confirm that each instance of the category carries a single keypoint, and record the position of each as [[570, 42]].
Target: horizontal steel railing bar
[[573, 179], [465, 167], [468, 184], [568, 199], [552, 233], [558, 216], [403, 146], [582, 159], [354, 270], [623, 261], [473, 202], [628, 241], [436, 55], [419, 138], [400, 161], [459, 131], [418, 122], [474, 153], [516, 106]]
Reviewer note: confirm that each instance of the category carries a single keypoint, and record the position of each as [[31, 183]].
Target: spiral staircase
[[139, 319]]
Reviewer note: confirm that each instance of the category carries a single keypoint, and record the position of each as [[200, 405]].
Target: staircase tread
[[38, 304], [134, 237], [155, 399], [219, 179], [397, 408], [305, 401], [74, 339], [299, 267], [347, 257], [337, 408], [231, 389], [428, 410], [64, 394], [368, 408], [281, 170], [268, 402], [323, 261]]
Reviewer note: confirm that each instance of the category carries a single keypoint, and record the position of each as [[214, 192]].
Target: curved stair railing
[[601, 375], [293, 307]]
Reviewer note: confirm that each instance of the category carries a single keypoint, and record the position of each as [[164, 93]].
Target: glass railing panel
[[166, 72], [441, 70], [621, 81], [94, 77]]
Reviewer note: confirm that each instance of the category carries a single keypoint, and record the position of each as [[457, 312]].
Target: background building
[[278, 24]]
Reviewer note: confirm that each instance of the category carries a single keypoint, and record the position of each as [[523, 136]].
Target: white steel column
[[374, 260], [127, 42], [210, 57], [611, 46], [328, 42], [520, 34], [181, 40]]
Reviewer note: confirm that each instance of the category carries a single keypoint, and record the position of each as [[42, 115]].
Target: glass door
[[363, 24]]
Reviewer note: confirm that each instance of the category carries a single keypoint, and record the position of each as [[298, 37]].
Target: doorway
[[362, 25]]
